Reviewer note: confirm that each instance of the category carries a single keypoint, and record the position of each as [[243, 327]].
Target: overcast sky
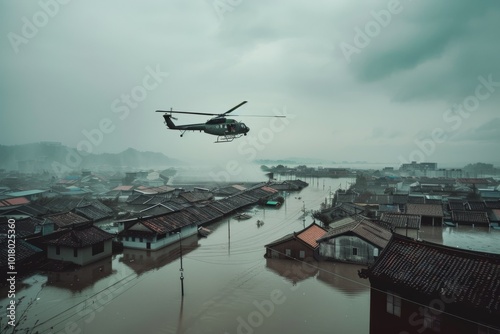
[[380, 81]]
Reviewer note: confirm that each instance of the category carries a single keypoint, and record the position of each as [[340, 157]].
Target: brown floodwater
[[229, 286]]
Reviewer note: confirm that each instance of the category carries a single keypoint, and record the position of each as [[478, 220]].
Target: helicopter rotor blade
[[187, 112], [233, 108], [280, 116]]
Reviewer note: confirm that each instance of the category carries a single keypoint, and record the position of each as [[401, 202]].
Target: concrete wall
[[154, 243], [84, 255], [347, 248]]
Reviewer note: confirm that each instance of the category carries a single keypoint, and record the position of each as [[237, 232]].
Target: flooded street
[[229, 286]]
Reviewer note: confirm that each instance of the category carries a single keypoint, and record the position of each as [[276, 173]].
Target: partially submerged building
[[423, 287], [297, 245], [80, 245], [353, 239]]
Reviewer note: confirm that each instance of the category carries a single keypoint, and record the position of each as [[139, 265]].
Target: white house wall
[[155, 244], [341, 248], [84, 255]]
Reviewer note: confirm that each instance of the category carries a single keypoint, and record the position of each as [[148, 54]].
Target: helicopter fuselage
[[219, 126]]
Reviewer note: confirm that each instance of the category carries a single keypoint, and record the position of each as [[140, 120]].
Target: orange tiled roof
[[311, 234], [14, 201]]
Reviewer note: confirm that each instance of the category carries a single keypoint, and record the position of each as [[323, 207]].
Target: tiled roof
[[361, 227], [342, 225], [65, 219], [470, 217], [311, 234], [81, 237], [373, 233], [399, 220], [24, 227], [154, 190], [196, 196], [476, 206], [473, 278], [23, 250], [456, 205], [30, 209], [168, 222], [13, 201], [433, 210]]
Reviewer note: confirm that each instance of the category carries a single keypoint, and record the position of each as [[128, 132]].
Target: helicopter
[[225, 129]]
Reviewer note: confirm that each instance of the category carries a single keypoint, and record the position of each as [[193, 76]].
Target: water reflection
[[142, 261], [82, 277], [481, 239], [343, 277], [340, 276], [291, 270]]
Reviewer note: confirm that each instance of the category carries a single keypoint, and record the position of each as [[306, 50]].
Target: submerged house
[[156, 232], [353, 239], [423, 287], [407, 225], [80, 245], [297, 245], [431, 214]]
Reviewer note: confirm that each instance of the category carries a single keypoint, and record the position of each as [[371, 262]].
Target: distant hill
[[42, 156]]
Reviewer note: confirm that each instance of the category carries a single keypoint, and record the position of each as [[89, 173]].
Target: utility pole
[[304, 216], [182, 269]]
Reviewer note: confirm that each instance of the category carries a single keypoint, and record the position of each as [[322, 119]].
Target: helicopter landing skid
[[226, 138]]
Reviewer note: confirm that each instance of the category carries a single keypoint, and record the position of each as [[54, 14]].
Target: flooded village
[[408, 249]]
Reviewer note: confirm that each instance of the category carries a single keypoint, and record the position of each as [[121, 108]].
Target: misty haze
[[221, 166]]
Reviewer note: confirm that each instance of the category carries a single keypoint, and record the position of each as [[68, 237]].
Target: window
[[58, 250], [133, 239], [98, 248], [302, 254], [140, 240], [354, 251], [75, 252], [288, 252], [393, 304]]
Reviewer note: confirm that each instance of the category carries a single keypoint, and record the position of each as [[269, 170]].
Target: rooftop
[[433, 210], [81, 237], [433, 269], [310, 234]]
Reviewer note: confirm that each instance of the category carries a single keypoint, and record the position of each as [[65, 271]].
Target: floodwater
[[229, 287]]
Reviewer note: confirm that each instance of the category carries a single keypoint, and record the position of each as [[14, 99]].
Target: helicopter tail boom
[[169, 122]]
